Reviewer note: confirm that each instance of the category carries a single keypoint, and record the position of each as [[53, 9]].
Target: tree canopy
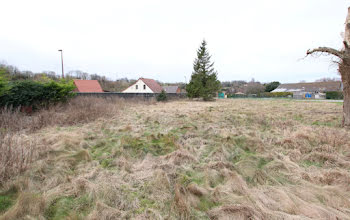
[[271, 86]]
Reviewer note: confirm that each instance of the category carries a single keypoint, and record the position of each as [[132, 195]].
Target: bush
[[162, 97], [263, 95], [76, 111], [36, 94], [236, 96], [3, 82], [334, 95], [276, 94]]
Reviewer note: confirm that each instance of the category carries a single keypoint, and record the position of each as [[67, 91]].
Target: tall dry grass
[[77, 110], [230, 159], [17, 151]]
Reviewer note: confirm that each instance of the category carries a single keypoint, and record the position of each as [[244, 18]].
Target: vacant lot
[[229, 159]]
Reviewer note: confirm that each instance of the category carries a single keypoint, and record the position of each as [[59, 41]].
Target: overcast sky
[[261, 39]]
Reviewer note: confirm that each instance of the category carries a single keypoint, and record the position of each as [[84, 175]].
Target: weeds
[[232, 159], [63, 207], [7, 199]]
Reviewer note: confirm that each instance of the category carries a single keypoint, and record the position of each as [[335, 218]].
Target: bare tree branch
[[328, 50]]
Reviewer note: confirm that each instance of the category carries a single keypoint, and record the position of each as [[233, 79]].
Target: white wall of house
[[138, 87]]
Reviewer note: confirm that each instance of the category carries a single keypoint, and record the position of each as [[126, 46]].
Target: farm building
[[144, 85], [314, 90], [172, 89], [87, 86]]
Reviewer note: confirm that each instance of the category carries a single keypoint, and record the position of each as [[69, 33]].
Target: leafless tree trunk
[[344, 67]]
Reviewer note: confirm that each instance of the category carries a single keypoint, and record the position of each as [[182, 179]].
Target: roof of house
[[310, 87], [170, 89], [87, 85], [153, 85]]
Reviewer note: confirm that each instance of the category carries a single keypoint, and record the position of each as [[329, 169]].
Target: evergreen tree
[[271, 86], [204, 81]]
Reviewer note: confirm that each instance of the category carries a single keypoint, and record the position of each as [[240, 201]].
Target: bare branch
[[328, 50]]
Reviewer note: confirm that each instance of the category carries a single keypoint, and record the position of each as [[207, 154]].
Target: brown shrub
[[77, 110], [17, 151], [16, 154]]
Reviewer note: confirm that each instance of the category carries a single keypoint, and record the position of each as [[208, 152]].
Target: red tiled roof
[[153, 85], [87, 85]]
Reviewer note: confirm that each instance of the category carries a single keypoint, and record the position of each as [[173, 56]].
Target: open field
[[229, 159]]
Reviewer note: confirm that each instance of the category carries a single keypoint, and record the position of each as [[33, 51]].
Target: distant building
[[144, 85], [314, 90], [172, 89], [87, 86]]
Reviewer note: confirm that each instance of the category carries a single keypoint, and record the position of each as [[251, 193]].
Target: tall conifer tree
[[204, 83]]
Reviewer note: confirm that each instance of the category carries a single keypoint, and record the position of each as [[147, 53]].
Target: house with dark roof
[[87, 86], [172, 89], [144, 85], [314, 90]]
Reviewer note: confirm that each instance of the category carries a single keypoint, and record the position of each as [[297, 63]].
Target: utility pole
[[62, 62]]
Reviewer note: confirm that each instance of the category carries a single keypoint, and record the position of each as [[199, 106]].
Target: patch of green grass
[[215, 181], [298, 117], [145, 204], [205, 203], [308, 163], [237, 156], [106, 150], [156, 145], [240, 141], [62, 207], [327, 123], [7, 199], [191, 176], [282, 179], [262, 162], [321, 198]]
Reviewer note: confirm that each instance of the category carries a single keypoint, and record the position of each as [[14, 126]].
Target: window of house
[[137, 86], [144, 86]]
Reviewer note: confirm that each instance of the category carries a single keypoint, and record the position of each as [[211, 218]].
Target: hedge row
[[334, 95], [36, 94], [263, 95]]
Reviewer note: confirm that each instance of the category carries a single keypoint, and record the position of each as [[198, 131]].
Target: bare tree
[[327, 79], [344, 67]]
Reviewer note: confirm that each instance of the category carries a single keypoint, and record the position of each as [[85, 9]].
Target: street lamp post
[[62, 62]]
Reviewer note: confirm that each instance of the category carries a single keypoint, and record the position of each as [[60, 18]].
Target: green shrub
[[236, 96], [162, 97], [334, 95], [4, 84], [36, 94], [276, 94], [263, 95]]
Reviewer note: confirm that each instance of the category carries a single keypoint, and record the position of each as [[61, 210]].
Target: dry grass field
[[228, 159]]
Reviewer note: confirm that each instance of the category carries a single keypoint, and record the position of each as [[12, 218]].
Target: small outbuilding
[[87, 86], [172, 89]]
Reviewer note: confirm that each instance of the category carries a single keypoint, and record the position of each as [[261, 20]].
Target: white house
[[144, 85]]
